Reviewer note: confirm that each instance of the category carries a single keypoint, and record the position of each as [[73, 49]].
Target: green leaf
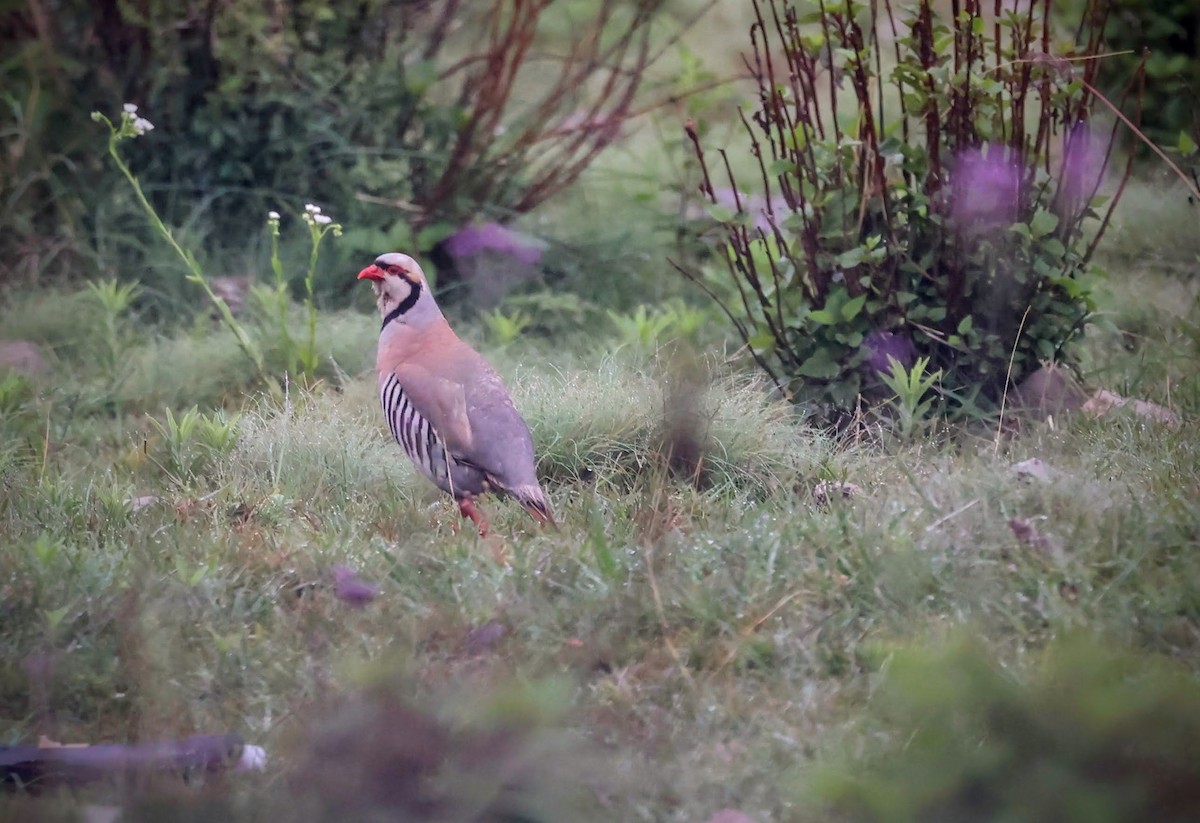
[[400, 236], [55, 616], [606, 561], [852, 307], [781, 165], [1054, 247], [844, 392], [722, 214], [822, 317], [851, 258], [966, 324], [431, 235], [1042, 223], [762, 342], [1186, 145], [820, 366]]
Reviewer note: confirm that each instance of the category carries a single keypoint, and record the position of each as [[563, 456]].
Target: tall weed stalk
[[129, 126], [301, 359]]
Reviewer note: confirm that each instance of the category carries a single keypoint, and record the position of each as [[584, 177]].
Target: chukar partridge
[[444, 404]]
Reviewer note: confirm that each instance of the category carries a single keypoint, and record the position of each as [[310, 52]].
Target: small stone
[[1104, 401], [1047, 392]]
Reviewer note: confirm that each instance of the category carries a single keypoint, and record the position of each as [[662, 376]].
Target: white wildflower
[[311, 209], [272, 215], [141, 125], [131, 108], [323, 219], [307, 217]]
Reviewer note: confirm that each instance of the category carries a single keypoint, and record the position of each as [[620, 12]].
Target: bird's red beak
[[371, 272]]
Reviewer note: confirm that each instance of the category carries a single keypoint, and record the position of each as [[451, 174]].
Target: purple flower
[[880, 346], [985, 189], [1084, 156], [352, 589], [471, 240]]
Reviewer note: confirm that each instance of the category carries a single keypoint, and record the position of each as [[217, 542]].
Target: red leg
[[466, 507]]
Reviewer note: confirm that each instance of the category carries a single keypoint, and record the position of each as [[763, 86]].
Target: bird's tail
[[534, 501]]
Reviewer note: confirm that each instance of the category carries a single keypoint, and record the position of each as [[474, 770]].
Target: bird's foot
[[466, 507]]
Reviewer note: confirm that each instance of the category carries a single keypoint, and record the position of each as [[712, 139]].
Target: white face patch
[[397, 295], [393, 289]]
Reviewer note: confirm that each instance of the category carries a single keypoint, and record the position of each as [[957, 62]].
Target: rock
[[489, 260], [1048, 391], [22, 357], [1104, 401], [233, 290]]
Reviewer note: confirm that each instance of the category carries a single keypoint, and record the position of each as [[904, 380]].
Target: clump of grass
[[755, 440], [1094, 733], [66, 323]]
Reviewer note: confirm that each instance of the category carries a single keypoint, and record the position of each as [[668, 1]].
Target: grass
[[1157, 223], [670, 651]]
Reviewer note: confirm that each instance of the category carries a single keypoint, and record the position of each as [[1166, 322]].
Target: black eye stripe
[[405, 304]]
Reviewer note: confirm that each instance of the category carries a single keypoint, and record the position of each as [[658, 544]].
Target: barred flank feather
[[413, 432]]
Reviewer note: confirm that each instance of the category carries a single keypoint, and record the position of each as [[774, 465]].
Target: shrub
[[1095, 735], [927, 202]]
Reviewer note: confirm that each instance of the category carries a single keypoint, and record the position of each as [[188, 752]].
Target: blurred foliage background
[[1169, 32], [407, 119]]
